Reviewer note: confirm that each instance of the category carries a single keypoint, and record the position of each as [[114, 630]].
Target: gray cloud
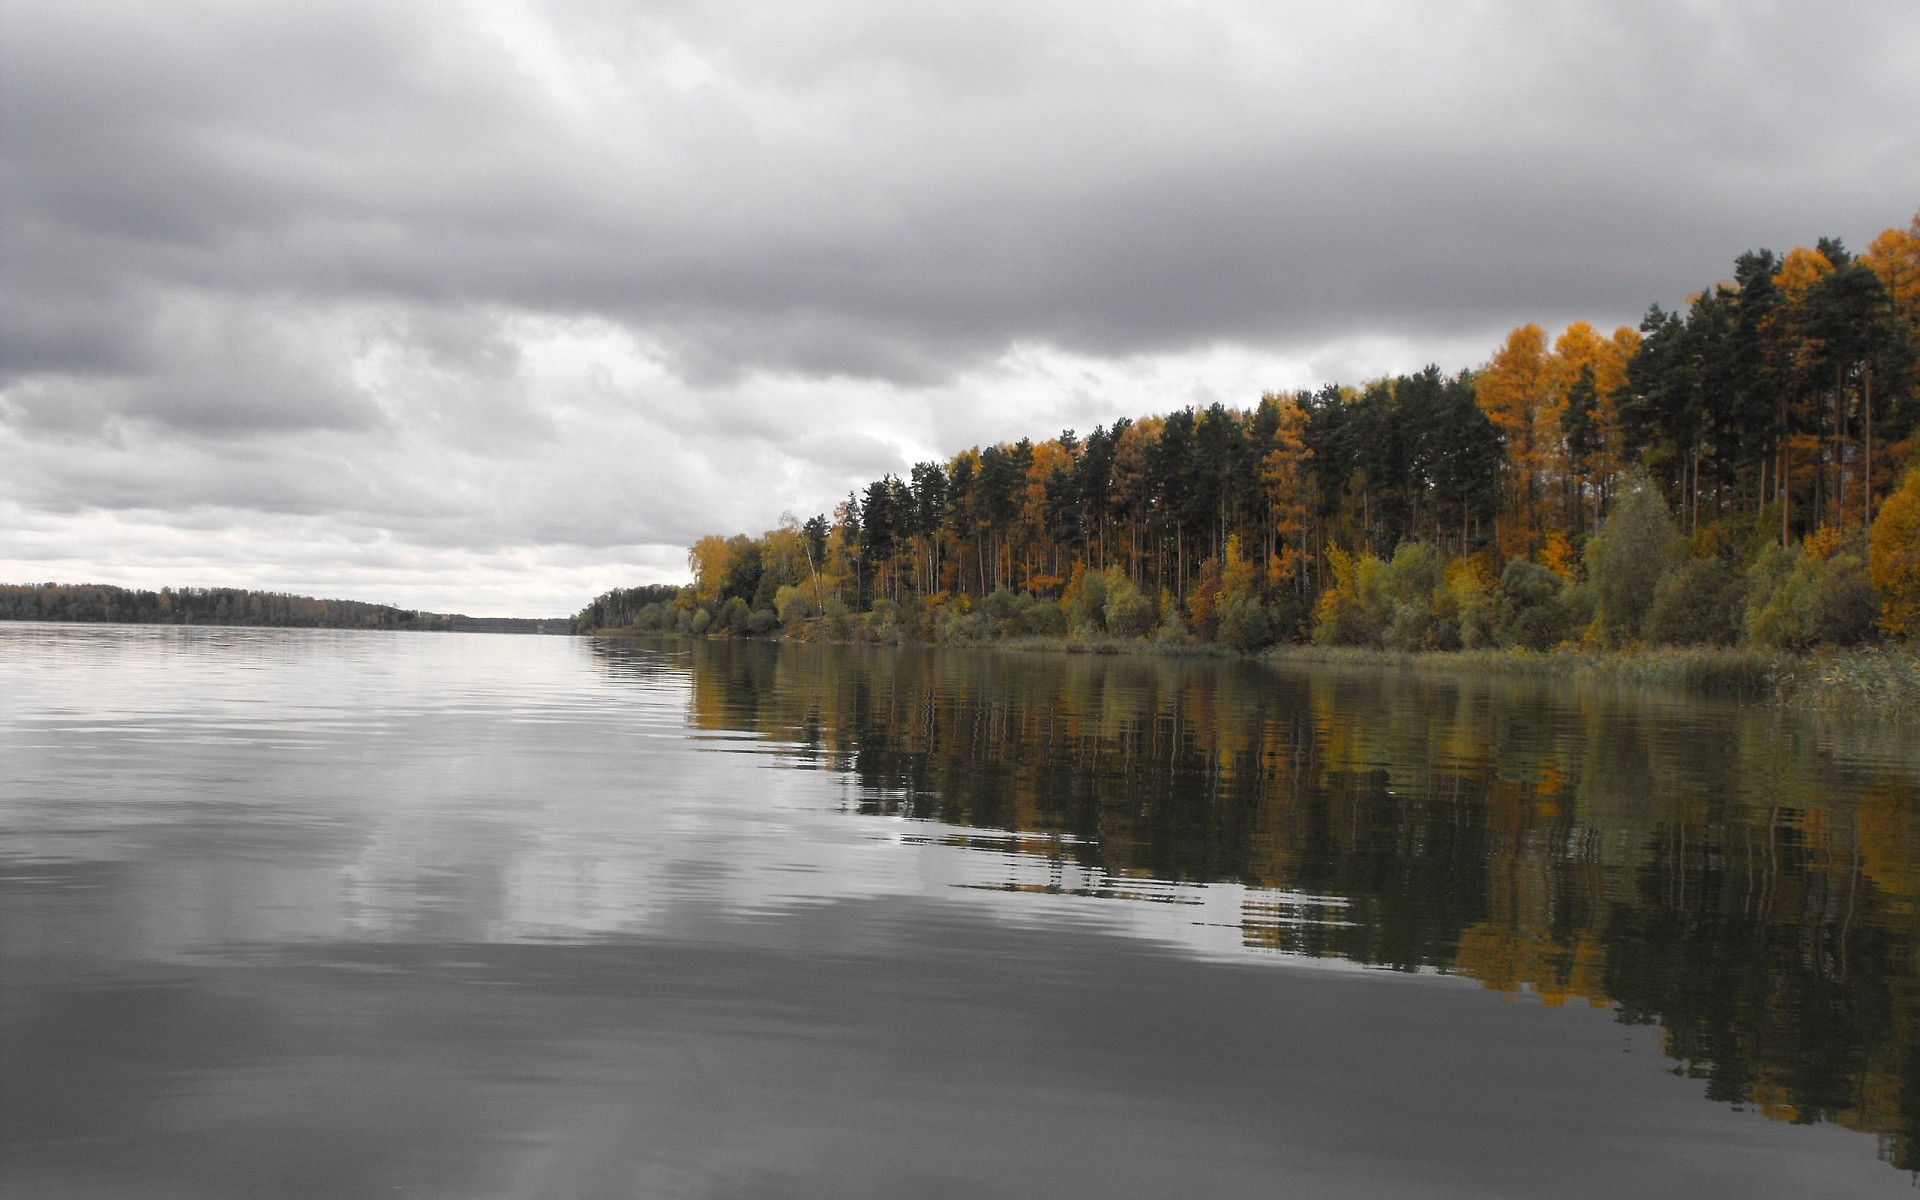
[[869, 188], [336, 239]]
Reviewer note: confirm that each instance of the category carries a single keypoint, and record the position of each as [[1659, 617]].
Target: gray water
[[311, 913]]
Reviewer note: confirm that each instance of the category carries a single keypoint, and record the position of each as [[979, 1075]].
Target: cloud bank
[[490, 306]]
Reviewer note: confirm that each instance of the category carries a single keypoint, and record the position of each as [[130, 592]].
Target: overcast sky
[[491, 306]]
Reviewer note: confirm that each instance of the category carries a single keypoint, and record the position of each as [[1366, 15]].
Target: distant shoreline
[[110, 604], [548, 627], [517, 626]]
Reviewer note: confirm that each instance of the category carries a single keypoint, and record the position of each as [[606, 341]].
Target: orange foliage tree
[[1893, 559], [1516, 393], [1283, 474]]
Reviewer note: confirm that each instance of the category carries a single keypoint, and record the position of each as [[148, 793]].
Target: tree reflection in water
[[1743, 878]]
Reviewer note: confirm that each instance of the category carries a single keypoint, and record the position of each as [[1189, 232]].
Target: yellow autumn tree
[[783, 550], [1516, 393], [1283, 475], [1573, 375], [1799, 271], [1611, 380], [1893, 559], [1579, 346], [709, 559], [1244, 623], [1895, 257], [1585, 372], [1040, 567]]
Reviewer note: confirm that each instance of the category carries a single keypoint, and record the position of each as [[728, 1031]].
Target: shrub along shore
[[1876, 682], [1879, 682]]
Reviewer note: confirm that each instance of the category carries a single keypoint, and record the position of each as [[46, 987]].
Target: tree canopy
[[1777, 408]]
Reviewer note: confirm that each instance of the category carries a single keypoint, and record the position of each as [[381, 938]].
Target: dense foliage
[[1730, 473], [622, 606]]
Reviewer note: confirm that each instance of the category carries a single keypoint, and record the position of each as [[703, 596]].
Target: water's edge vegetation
[[1883, 682], [1726, 497], [1879, 682]]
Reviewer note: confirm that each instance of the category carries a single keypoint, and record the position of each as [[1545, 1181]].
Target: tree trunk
[[1785, 488], [1783, 478], [1866, 418], [1839, 448]]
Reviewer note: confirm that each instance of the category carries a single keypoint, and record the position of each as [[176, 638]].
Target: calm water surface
[[304, 913]]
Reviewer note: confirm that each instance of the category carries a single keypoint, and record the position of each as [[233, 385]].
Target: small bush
[[1085, 602], [1243, 623], [964, 627], [1172, 630], [1203, 600], [1697, 604], [1291, 615], [839, 617], [1576, 609], [795, 602], [761, 621], [732, 616], [1804, 597], [1464, 609], [1627, 559], [1403, 603], [656, 616], [999, 604], [1445, 610], [1531, 613], [1033, 615], [1847, 611], [1413, 625], [885, 623], [1129, 614], [1348, 613]]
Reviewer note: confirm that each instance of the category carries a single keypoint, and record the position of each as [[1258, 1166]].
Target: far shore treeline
[[1737, 472], [97, 602]]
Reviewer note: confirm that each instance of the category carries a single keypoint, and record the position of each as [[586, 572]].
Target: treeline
[[1732, 472], [95, 602], [622, 606]]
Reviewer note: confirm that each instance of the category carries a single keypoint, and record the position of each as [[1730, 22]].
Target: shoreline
[[1880, 683], [1872, 683]]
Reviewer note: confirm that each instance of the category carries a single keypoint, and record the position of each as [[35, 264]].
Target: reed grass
[[1877, 681]]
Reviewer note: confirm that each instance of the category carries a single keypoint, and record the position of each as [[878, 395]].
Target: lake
[[295, 913]]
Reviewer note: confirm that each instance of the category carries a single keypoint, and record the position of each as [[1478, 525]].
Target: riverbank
[[1872, 682], [1879, 682]]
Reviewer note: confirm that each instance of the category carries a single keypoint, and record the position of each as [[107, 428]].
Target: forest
[[1737, 471], [622, 606], [97, 602]]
